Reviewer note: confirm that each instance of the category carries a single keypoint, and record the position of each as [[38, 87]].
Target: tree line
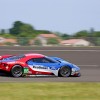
[[23, 32]]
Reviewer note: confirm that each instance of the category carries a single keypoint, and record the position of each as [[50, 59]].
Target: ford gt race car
[[37, 64]]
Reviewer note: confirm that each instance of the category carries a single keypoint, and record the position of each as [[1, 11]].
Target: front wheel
[[64, 71], [16, 71]]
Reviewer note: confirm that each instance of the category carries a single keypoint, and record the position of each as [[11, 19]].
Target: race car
[[37, 64]]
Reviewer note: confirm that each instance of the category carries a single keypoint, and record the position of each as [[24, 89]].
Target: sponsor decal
[[53, 68], [21, 62], [15, 62], [39, 67], [11, 62]]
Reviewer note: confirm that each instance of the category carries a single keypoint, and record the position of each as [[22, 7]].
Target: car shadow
[[4, 74]]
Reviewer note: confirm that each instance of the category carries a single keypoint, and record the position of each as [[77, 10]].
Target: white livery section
[[42, 68]]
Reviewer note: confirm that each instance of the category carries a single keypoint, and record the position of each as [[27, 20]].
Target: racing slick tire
[[17, 71], [64, 71]]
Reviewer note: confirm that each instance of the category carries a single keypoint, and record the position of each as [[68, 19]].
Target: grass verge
[[50, 91]]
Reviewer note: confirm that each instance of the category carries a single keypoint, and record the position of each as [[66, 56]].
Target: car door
[[44, 65]]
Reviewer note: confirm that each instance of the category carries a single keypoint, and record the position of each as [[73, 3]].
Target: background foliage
[[27, 31]]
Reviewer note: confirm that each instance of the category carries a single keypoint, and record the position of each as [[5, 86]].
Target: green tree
[[9, 43], [37, 42], [58, 33], [91, 32], [2, 31], [23, 31], [96, 34], [20, 27], [15, 30], [43, 32], [24, 41], [96, 38], [52, 41], [82, 33], [98, 41], [65, 36], [27, 29]]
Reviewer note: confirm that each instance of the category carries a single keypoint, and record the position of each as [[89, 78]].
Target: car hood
[[63, 62]]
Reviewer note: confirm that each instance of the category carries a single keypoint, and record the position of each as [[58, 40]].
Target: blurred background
[[50, 23], [59, 26]]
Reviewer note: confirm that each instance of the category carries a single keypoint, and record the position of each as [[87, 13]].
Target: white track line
[[89, 65], [53, 50]]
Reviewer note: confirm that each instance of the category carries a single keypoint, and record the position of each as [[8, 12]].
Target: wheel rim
[[17, 71]]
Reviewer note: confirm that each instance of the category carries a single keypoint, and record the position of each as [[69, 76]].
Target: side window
[[30, 62], [45, 60], [40, 60]]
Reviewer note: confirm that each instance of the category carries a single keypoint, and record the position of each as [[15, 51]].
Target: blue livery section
[[51, 64]]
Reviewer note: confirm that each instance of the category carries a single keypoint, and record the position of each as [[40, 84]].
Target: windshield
[[14, 57], [58, 59], [52, 60]]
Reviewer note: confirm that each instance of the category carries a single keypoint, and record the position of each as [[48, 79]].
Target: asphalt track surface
[[87, 58]]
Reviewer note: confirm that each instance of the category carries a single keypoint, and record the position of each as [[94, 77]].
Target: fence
[[26, 41]]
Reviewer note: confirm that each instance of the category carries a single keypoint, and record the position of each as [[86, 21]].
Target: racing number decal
[[25, 70]]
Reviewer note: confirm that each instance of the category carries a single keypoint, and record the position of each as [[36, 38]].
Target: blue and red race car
[[37, 64]]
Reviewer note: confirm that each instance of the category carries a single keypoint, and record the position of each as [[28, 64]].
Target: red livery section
[[4, 56], [20, 64], [36, 64]]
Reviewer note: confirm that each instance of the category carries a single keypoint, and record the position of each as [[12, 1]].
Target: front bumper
[[76, 74], [75, 71]]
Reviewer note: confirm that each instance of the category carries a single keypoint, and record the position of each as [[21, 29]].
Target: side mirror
[[59, 61]]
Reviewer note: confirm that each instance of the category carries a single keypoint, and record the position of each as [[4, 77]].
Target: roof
[[30, 56], [48, 35], [26, 57], [2, 39], [11, 40], [71, 41], [34, 55]]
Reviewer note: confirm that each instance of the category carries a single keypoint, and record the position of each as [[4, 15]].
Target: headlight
[[73, 69]]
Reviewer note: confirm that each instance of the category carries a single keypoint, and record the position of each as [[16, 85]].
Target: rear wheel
[[64, 71], [16, 71]]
